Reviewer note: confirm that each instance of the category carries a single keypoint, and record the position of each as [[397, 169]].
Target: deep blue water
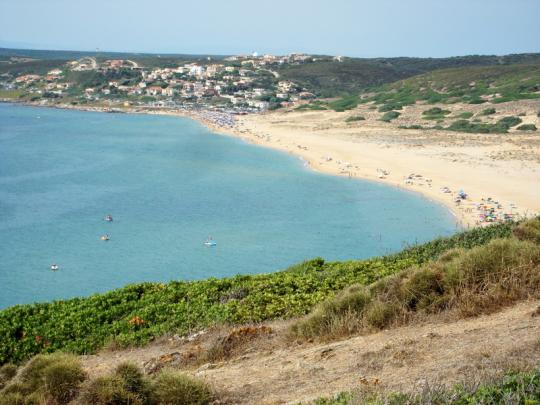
[[169, 183]]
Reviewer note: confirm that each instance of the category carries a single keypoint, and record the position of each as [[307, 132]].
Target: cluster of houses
[[242, 82]]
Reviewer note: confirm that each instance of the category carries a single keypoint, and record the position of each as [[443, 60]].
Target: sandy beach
[[499, 173]]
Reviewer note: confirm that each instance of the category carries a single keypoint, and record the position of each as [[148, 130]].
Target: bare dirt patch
[[267, 368]]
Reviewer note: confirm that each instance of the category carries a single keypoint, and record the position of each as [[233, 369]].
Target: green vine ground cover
[[138, 313]]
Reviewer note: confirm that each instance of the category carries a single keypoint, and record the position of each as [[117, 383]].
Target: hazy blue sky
[[337, 27]]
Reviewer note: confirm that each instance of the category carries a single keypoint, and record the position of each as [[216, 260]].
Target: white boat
[[54, 267], [108, 218], [210, 242], [105, 237]]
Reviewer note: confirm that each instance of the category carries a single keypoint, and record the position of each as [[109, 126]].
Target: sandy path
[[401, 358]]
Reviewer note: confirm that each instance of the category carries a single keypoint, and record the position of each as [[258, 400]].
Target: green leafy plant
[[345, 103], [477, 127], [509, 122], [527, 127], [435, 113], [488, 111], [389, 116]]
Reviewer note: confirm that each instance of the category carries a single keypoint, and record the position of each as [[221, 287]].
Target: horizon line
[[97, 51]]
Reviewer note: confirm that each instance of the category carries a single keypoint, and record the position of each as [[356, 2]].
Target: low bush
[[54, 377], [355, 118], [109, 390], [330, 319], [414, 126], [527, 127], [7, 372], [345, 103], [314, 106], [509, 122], [465, 115], [389, 116], [468, 282], [128, 385], [435, 113], [488, 111], [476, 101], [174, 388], [390, 106], [133, 380], [528, 230], [477, 127]]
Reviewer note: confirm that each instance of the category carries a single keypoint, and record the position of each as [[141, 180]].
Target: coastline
[[355, 157], [503, 187]]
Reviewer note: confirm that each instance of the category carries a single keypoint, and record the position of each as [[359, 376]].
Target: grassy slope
[[468, 84], [138, 313]]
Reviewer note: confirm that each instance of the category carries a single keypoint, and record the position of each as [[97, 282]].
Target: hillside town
[[236, 83]]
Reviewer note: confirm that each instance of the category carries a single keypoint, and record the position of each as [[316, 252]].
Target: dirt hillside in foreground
[[274, 371]]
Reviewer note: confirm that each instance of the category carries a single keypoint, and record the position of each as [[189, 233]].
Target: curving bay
[[169, 182]]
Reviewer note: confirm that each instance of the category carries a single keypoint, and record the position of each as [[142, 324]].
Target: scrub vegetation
[[354, 118], [59, 379], [512, 388], [464, 282], [389, 116], [473, 85], [328, 78]]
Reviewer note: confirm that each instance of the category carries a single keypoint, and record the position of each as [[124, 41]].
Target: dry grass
[[174, 388], [229, 345], [529, 230], [58, 379], [52, 379], [7, 372], [461, 283]]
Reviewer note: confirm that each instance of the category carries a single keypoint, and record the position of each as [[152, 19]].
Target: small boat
[[105, 237], [108, 218], [54, 267], [210, 242]]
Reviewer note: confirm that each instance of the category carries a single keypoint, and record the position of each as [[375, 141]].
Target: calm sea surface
[[169, 183]]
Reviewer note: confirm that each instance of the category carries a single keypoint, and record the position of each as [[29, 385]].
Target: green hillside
[[472, 84], [468, 84], [329, 78]]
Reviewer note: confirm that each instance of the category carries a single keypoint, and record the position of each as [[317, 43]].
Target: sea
[[169, 184]]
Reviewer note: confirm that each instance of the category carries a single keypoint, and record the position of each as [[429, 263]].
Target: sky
[[424, 28]]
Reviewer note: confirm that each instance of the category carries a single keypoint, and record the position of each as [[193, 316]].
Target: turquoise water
[[169, 183]]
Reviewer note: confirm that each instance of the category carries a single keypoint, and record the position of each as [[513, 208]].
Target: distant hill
[[71, 55], [329, 78], [471, 84], [39, 61]]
